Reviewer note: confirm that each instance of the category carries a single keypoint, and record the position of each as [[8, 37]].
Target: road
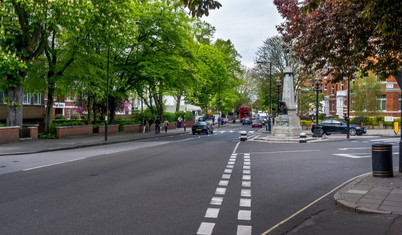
[[206, 184]]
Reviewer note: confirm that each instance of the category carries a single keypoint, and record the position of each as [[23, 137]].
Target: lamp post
[[270, 90], [317, 129]]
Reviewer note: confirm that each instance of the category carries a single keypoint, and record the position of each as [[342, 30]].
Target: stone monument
[[287, 124]]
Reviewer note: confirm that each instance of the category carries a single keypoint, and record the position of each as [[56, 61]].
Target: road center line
[[53, 164]]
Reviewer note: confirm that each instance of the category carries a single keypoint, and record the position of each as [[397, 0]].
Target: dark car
[[202, 127], [257, 123], [335, 126], [246, 121]]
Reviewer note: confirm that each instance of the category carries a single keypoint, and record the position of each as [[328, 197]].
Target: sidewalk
[[368, 194], [47, 145]]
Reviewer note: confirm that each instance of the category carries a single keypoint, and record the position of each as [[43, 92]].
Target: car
[[263, 120], [257, 123], [202, 127], [336, 126], [246, 121]]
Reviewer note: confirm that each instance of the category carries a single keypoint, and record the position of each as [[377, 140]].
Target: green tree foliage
[[365, 91]]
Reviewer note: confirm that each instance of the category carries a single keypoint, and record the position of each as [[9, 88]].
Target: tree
[[335, 34], [365, 91], [201, 7], [25, 27]]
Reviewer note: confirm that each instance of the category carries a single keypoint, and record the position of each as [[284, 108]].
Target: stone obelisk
[[287, 125]]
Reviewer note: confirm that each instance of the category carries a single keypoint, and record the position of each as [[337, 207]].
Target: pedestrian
[[179, 121], [143, 125], [149, 124], [166, 125], [157, 125], [269, 124]]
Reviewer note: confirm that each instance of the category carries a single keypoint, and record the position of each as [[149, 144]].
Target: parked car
[[257, 123], [202, 127], [246, 121], [335, 126]]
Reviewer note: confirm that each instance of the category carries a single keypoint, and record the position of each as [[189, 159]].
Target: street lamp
[[278, 86], [317, 129], [270, 91], [107, 88]]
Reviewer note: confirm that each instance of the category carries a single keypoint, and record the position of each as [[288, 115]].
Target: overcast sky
[[247, 23]]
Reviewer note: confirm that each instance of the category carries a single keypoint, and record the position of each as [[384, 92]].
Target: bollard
[[243, 135], [303, 138], [382, 160]]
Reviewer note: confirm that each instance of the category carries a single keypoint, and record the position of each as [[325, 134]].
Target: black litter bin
[[382, 160]]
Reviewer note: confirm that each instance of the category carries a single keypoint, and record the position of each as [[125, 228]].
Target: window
[[332, 107], [332, 90], [37, 99], [342, 85], [382, 102], [68, 114], [27, 98], [400, 102], [325, 86]]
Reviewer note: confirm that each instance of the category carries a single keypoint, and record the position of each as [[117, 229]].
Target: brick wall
[[133, 128], [110, 129], [70, 131], [33, 132], [9, 134]]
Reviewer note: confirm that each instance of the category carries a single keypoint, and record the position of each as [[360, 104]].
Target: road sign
[[396, 127]]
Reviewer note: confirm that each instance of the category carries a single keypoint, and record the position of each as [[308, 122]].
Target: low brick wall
[[133, 128], [70, 131], [110, 129], [9, 134], [33, 132]]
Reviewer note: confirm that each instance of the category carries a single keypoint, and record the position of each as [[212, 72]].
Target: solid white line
[[235, 149], [244, 230], [314, 202], [290, 151], [206, 228], [212, 213], [53, 164], [352, 155], [244, 215]]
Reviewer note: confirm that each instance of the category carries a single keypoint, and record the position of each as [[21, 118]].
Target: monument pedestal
[[287, 126]]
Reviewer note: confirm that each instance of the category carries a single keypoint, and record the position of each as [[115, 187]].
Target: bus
[[245, 112]]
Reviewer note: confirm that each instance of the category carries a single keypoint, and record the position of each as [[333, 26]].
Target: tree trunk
[[89, 108], [49, 108], [178, 100], [14, 106]]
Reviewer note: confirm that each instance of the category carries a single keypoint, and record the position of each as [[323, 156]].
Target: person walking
[[149, 124], [179, 121], [157, 125], [143, 125], [269, 124], [166, 125]]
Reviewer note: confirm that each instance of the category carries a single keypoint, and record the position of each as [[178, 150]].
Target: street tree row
[[151, 49]]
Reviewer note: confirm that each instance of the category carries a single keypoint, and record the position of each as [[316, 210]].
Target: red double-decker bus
[[245, 112]]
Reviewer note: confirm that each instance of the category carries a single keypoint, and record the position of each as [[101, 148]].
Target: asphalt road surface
[[189, 184]]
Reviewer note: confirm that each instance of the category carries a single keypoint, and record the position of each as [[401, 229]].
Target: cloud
[[247, 23]]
